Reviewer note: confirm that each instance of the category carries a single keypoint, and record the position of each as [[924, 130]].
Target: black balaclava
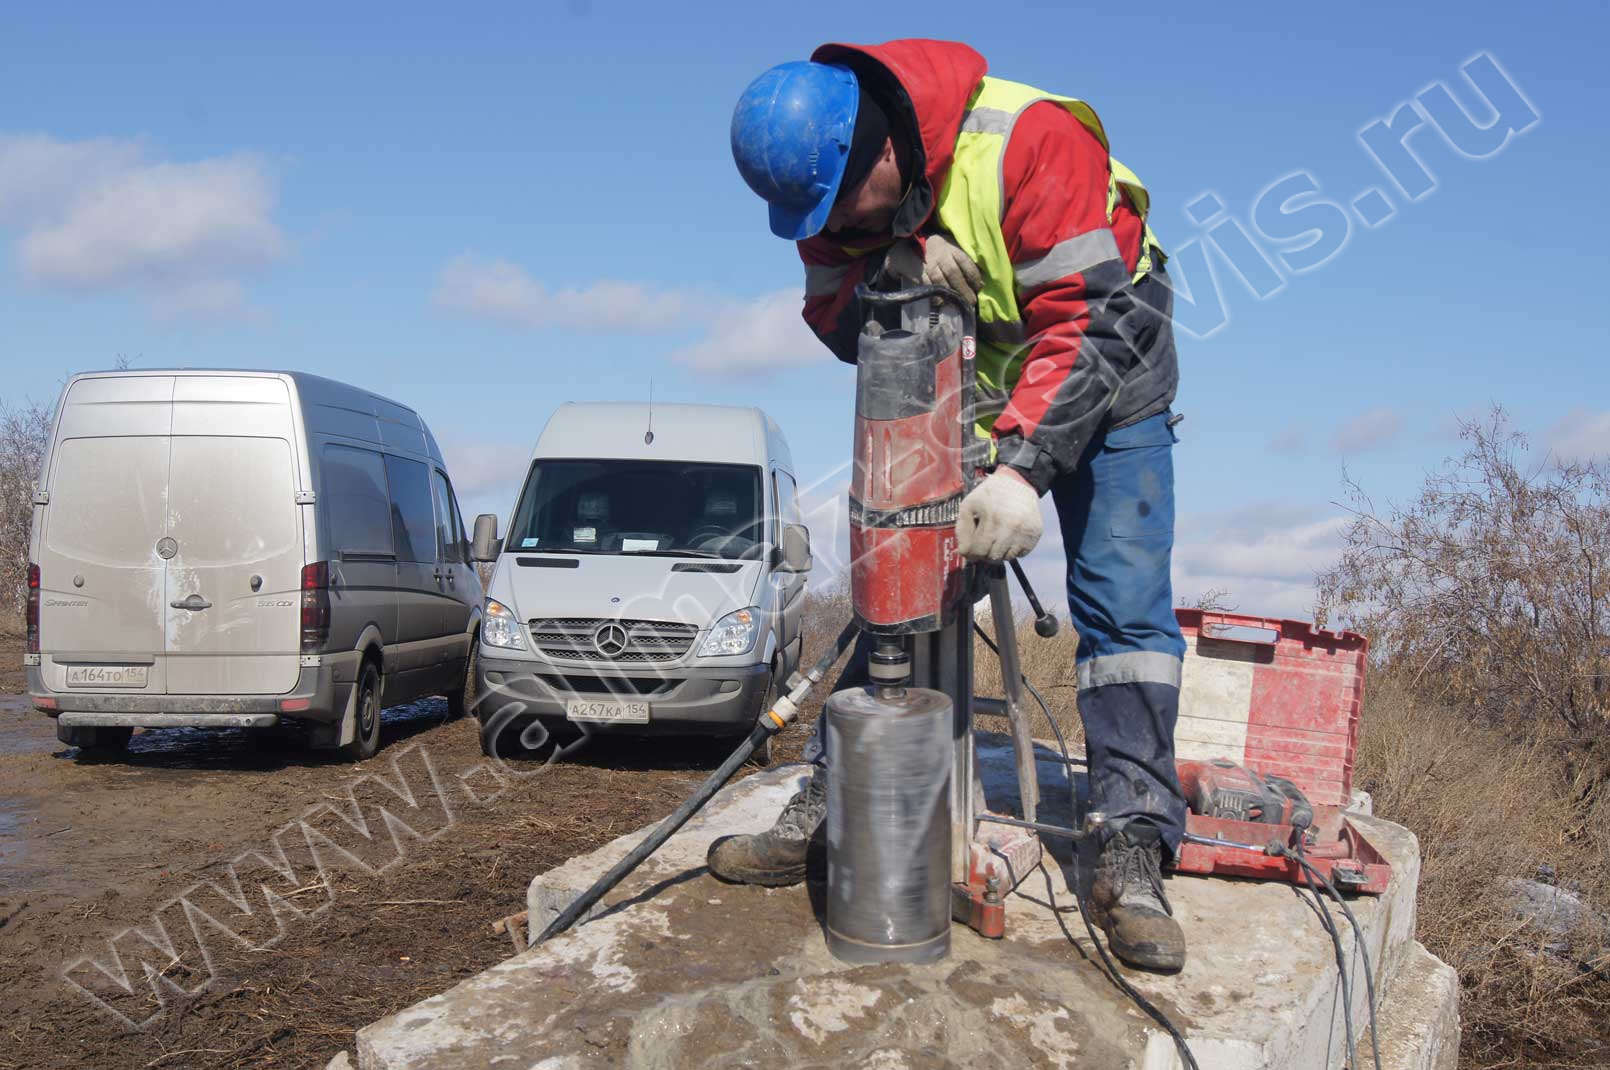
[[866, 144]]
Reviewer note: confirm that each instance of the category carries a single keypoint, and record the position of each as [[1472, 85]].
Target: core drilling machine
[[906, 850], [910, 845]]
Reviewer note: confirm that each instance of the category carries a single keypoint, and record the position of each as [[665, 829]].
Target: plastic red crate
[[1278, 696]]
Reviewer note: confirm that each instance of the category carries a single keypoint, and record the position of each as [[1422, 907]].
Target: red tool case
[[1280, 697]]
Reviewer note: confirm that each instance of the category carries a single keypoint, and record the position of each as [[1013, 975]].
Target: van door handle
[[438, 574], [194, 602]]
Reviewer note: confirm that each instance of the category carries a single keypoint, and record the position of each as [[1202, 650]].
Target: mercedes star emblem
[[610, 640]]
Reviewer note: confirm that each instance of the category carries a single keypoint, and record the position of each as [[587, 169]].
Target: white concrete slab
[[679, 970]]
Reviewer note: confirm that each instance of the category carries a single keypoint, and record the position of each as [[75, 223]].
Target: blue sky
[[486, 212]]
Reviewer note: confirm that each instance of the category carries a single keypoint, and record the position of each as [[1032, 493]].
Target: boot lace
[[1140, 875], [804, 811]]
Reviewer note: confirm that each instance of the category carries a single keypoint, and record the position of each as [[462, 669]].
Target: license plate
[[107, 675], [610, 712]]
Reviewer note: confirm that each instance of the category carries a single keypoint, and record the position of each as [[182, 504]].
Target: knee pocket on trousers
[[1138, 460]]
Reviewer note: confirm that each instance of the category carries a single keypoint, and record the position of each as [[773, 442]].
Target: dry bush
[[24, 433], [1488, 810], [1487, 725], [1493, 587]]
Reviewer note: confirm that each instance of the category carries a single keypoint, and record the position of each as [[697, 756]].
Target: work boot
[[1127, 894], [776, 857]]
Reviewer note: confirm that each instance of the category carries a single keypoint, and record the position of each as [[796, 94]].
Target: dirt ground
[[344, 928]]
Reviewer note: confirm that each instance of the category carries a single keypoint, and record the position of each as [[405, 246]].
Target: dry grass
[[1489, 809]]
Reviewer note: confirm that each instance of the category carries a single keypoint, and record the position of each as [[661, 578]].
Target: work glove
[[999, 518], [944, 264], [939, 263]]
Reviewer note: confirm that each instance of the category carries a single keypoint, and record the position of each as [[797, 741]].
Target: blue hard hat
[[791, 136]]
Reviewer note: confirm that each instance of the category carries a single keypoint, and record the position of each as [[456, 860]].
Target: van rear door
[[232, 601], [102, 576]]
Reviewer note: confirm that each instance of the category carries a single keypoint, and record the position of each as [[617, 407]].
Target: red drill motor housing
[[915, 453], [1224, 789]]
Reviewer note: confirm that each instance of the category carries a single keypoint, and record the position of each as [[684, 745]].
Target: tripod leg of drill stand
[[1000, 601]]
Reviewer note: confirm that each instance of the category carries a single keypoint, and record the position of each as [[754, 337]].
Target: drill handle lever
[[1045, 625]]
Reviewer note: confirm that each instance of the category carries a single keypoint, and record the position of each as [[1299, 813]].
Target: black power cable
[[1109, 968], [1311, 873], [1329, 923]]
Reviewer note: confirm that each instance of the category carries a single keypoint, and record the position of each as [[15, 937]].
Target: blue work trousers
[[1116, 511]]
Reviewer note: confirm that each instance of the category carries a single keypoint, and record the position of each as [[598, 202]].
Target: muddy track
[[350, 914]]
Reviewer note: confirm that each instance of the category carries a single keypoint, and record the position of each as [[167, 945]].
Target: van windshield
[[671, 508]]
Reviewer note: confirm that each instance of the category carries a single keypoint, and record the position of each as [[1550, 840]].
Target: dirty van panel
[[117, 407], [101, 571], [415, 665], [356, 513], [233, 584], [248, 406]]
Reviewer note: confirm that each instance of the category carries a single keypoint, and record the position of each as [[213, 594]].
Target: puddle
[[23, 729]]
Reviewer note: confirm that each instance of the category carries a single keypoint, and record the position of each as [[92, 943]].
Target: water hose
[[773, 721]]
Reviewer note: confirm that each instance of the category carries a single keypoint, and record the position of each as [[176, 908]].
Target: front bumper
[[317, 696], [695, 700]]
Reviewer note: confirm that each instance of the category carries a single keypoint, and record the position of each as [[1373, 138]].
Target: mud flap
[[338, 733]]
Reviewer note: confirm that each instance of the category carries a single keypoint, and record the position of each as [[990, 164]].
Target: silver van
[[243, 549], [652, 579]]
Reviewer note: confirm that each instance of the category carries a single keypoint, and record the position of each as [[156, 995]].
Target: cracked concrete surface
[[678, 970]]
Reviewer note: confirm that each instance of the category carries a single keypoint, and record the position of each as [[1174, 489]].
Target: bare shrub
[[24, 433], [1486, 728]]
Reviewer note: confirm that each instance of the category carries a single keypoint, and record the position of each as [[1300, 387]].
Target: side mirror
[[796, 548], [487, 545]]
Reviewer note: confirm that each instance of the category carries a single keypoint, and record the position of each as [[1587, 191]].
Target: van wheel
[[462, 701], [366, 699], [500, 737], [103, 740], [763, 755]]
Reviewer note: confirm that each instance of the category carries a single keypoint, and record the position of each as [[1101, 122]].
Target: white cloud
[[102, 215], [1265, 555], [739, 337], [755, 337], [1580, 435], [1372, 429], [505, 293], [487, 472]]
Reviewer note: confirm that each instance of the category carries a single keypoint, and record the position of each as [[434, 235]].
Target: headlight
[[733, 634], [500, 627]]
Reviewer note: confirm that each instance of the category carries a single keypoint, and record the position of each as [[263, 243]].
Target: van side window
[[788, 491], [449, 530], [354, 494], [413, 519]]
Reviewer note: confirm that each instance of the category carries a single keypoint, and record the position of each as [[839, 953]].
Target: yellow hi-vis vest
[[971, 205]]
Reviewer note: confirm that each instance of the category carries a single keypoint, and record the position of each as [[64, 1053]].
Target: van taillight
[[315, 607], [33, 608]]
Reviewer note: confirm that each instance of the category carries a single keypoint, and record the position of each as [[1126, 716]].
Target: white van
[[243, 549], [652, 579]]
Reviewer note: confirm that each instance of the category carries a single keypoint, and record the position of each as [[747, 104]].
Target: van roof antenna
[[648, 436]]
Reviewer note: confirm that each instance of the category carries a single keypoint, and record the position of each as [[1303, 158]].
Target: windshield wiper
[[560, 550], [670, 553]]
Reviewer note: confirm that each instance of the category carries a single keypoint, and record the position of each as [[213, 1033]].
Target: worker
[[904, 162]]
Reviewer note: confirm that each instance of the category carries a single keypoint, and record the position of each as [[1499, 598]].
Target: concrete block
[[679, 970], [1420, 1020]]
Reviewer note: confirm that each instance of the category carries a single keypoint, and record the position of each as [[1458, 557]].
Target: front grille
[[646, 641]]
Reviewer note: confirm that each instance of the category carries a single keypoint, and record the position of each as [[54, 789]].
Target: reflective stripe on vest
[[972, 204]]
